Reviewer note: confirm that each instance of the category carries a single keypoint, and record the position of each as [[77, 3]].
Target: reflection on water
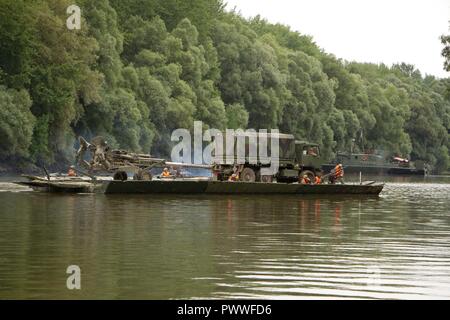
[[156, 247]]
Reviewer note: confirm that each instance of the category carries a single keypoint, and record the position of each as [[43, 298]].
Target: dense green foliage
[[138, 69]]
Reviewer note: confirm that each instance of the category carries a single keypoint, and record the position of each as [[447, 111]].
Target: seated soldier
[[71, 172], [318, 179], [165, 173], [312, 152], [305, 180]]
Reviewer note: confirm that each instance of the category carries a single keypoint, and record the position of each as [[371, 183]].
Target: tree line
[[139, 69]]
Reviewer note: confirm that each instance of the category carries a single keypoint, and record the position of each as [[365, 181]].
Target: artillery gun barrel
[[104, 158], [192, 165]]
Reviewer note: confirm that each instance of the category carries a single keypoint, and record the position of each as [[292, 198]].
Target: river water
[[395, 246]]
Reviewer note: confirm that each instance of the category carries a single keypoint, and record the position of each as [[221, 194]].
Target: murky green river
[[395, 246]]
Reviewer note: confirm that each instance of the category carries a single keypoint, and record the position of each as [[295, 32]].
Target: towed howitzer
[[103, 158]]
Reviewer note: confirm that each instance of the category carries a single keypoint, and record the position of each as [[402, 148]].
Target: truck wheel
[[248, 175], [266, 179], [309, 174], [120, 175]]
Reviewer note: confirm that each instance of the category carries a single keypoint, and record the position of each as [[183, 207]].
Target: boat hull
[[62, 186], [218, 187]]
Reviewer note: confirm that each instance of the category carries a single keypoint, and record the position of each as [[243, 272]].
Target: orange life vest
[[71, 173], [318, 180], [165, 174], [306, 180], [338, 171]]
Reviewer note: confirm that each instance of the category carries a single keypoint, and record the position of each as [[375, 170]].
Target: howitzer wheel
[[248, 175]]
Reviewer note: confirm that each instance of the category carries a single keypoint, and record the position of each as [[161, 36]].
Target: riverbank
[[20, 167], [10, 170]]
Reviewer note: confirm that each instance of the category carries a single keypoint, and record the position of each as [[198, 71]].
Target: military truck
[[296, 159]]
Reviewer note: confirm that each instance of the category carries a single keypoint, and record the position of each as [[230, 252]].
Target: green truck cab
[[296, 159], [308, 156]]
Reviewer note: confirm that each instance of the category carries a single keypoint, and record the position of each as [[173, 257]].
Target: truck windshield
[[311, 151]]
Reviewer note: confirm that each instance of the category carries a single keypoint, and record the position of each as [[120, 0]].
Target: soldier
[[165, 173], [312, 152], [305, 180], [337, 174], [71, 172], [318, 179]]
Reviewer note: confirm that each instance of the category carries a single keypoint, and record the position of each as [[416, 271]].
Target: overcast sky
[[387, 31]]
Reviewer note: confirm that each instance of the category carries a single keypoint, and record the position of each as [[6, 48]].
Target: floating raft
[[199, 186], [219, 187]]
